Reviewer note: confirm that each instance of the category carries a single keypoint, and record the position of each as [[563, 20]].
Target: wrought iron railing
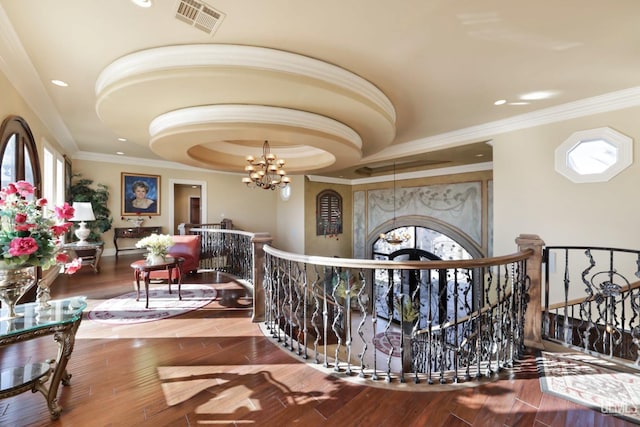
[[237, 253], [347, 314], [228, 251], [592, 300]]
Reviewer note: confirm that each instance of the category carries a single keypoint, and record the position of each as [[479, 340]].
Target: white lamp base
[[82, 233]]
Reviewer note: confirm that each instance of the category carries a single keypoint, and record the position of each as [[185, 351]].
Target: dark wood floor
[[214, 367]]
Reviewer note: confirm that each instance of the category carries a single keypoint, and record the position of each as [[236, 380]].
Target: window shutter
[[328, 213]]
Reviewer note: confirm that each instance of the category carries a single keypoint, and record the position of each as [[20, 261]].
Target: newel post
[[533, 315], [258, 241]]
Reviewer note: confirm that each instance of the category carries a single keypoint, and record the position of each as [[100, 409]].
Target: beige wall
[[341, 245], [531, 197], [11, 103], [290, 235], [249, 209]]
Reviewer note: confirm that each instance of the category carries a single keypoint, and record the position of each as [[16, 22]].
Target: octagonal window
[[589, 157], [594, 155]]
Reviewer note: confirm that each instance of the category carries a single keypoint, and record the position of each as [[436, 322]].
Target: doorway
[[182, 206], [194, 210]]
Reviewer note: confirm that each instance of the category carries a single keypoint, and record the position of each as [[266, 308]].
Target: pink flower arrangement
[[30, 235]]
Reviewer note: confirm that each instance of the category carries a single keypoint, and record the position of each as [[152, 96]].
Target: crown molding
[[125, 160], [476, 167], [612, 101]]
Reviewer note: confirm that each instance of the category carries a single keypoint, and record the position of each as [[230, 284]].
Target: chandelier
[[395, 237], [267, 172]]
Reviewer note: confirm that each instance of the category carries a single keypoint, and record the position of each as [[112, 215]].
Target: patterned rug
[[126, 310], [591, 382], [385, 341]]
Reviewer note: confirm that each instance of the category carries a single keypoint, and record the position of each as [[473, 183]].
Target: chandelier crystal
[[266, 172]]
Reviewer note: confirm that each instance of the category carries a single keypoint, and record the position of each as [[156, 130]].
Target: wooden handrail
[[577, 301], [399, 265], [464, 319]]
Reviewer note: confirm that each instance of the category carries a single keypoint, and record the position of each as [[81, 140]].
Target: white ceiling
[[333, 85]]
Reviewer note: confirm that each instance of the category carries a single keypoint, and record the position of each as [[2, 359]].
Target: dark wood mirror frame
[[24, 164]]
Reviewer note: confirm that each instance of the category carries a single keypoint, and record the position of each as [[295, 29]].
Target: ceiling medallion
[[267, 172]]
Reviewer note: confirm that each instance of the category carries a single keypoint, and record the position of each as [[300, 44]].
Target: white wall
[[531, 197], [290, 219]]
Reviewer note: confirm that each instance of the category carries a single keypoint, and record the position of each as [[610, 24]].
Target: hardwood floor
[[214, 367]]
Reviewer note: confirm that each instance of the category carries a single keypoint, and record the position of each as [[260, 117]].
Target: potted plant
[[82, 190], [408, 311]]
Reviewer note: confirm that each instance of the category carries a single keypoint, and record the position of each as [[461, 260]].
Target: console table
[[61, 320], [132, 233], [90, 253]]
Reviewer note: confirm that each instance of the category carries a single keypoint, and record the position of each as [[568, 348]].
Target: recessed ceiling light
[[500, 102], [142, 3], [537, 95], [519, 103], [120, 153], [122, 139], [59, 83]]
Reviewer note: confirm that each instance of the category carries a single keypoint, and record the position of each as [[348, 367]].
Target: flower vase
[[14, 282], [155, 259]]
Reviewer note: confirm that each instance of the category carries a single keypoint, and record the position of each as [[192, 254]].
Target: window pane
[[47, 182], [28, 168], [590, 157], [8, 162], [60, 183]]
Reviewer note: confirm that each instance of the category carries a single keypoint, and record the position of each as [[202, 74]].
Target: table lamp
[[82, 212]]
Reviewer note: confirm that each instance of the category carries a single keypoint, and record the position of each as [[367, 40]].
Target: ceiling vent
[[199, 15]]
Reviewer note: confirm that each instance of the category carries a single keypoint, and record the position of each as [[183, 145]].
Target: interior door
[[194, 210]]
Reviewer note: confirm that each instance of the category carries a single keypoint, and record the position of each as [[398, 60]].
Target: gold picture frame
[[140, 194]]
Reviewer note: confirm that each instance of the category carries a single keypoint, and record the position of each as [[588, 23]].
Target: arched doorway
[[431, 292]]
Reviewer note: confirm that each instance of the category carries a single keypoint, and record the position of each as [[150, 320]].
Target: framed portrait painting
[[140, 194]]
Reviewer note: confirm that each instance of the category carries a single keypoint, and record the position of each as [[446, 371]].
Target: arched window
[[19, 154], [428, 287], [328, 213]]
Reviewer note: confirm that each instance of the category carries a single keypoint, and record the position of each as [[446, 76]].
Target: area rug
[[126, 310], [591, 382], [384, 342]]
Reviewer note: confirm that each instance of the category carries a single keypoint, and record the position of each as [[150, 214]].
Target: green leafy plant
[[83, 190], [343, 284], [407, 308]]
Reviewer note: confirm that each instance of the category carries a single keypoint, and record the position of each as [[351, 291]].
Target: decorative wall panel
[[359, 234], [457, 204]]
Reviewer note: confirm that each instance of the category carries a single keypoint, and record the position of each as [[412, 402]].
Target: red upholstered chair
[[187, 247]]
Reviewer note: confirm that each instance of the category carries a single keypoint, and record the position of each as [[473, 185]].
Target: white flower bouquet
[[156, 244]]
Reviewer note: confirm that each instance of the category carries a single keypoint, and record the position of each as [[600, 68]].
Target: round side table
[[142, 268]]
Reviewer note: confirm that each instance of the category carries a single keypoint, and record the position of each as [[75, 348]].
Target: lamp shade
[[82, 211]]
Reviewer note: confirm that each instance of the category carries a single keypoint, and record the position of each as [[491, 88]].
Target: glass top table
[[31, 317], [61, 320]]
